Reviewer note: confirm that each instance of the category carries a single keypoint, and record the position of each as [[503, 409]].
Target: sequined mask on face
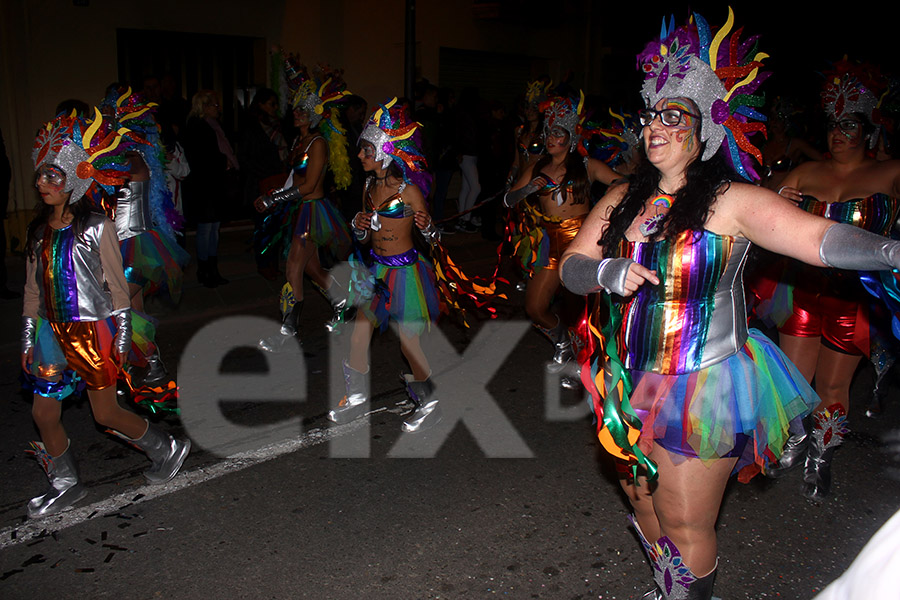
[[50, 175]]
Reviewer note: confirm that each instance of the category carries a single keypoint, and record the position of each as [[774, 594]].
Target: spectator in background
[[211, 157], [446, 163], [467, 151], [497, 152], [263, 152], [5, 178]]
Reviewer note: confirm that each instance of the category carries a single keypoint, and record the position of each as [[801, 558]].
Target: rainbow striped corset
[[876, 213], [69, 273], [696, 316]]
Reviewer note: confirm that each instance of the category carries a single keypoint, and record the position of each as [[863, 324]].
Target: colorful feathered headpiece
[[720, 74], [568, 114], [396, 136], [614, 143], [853, 88], [315, 93], [89, 152], [319, 95], [536, 92], [133, 111]]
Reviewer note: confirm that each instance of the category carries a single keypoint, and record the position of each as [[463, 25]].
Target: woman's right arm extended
[[583, 268]]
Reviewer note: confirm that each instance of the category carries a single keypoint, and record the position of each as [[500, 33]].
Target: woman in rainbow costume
[[398, 283], [686, 395], [77, 326], [301, 203], [830, 326], [560, 181]]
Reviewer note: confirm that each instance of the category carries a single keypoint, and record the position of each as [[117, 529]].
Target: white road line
[[28, 531]]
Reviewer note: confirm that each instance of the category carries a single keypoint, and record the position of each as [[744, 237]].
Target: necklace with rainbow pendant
[[652, 224]]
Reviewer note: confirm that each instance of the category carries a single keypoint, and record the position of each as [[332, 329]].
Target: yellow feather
[[759, 57], [134, 115], [123, 96], [109, 148], [720, 35], [95, 125]]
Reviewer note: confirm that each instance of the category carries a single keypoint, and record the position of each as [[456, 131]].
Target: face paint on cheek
[[686, 136]]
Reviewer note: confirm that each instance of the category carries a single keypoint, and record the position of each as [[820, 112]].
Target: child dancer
[[400, 283], [76, 315]]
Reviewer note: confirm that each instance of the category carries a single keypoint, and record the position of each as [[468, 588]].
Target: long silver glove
[[431, 234], [29, 330], [122, 340], [360, 234], [513, 197], [847, 247], [583, 275], [270, 200]]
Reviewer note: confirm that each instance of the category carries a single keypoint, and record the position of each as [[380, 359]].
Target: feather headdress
[[397, 137], [719, 73]]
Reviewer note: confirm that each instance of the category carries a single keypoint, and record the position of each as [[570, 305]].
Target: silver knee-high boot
[[674, 579], [165, 452], [794, 452], [156, 368], [341, 309], [355, 402], [829, 429], [427, 413], [65, 488], [563, 355], [289, 328]]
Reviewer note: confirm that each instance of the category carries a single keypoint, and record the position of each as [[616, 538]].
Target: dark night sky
[[800, 37]]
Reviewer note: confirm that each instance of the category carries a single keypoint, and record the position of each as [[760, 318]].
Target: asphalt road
[[511, 497]]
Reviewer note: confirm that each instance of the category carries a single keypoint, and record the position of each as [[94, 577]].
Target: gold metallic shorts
[[560, 235], [87, 346]]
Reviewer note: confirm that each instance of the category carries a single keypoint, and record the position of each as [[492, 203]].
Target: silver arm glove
[[583, 275], [270, 200], [513, 197], [29, 330], [847, 247], [360, 234], [431, 234], [122, 340]]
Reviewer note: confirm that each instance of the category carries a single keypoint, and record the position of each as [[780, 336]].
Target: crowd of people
[[630, 234]]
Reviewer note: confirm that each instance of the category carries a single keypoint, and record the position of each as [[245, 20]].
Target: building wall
[[51, 49]]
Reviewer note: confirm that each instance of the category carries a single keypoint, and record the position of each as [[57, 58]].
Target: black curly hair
[[704, 180]]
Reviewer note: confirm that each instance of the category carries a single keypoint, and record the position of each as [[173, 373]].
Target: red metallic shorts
[[819, 314]]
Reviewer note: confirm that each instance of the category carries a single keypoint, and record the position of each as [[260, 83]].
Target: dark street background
[[460, 525]]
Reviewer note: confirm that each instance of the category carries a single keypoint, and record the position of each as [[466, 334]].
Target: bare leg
[[359, 343], [108, 413], [412, 350], [686, 501], [641, 498], [683, 504], [298, 255], [47, 414], [803, 352], [313, 269], [304, 258], [538, 296], [833, 375]]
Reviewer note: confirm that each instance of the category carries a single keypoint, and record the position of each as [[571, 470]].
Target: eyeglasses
[[670, 117], [52, 176], [849, 126]]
